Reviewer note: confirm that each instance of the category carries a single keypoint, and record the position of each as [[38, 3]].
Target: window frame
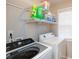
[[59, 26]]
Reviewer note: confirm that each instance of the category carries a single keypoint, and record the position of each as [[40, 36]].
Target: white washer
[[58, 45]]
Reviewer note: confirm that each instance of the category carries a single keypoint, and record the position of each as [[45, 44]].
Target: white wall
[[16, 21]]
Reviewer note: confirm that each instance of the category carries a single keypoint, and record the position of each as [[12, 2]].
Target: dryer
[[58, 45]]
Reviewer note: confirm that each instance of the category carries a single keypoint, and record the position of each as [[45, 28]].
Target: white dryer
[[58, 45]]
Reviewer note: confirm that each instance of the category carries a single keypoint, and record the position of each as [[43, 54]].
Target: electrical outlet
[[9, 37], [10, 31]]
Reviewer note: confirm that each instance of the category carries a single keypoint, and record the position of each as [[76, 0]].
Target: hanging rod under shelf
[[14, 5], [27, 9]]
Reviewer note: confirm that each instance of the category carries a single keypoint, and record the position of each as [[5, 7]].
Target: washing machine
[[58, 45], [28, 49]]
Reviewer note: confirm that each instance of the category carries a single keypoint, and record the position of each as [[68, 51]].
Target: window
[[65, 23]]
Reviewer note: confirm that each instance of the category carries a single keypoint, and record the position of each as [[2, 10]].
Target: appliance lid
[[47, 35]]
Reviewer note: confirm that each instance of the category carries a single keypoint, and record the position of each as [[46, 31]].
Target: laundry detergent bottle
[[34, 11], [40, 14]]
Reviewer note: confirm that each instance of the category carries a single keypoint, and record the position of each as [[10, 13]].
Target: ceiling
[[57, 1], [24, 3]]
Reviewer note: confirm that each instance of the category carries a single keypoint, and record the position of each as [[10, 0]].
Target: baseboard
[[66, 58], [69, 58]]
